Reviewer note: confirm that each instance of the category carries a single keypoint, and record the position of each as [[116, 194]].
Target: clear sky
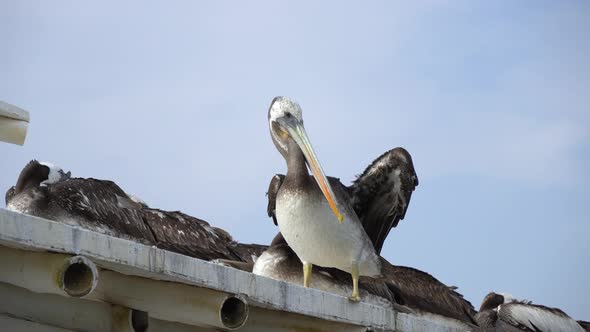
[[169, 99]]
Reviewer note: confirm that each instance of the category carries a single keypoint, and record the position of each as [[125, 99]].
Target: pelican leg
[[355, 283], [307, 273]]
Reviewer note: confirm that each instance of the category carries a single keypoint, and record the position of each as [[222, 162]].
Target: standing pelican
[[316, 219], [279, 262]]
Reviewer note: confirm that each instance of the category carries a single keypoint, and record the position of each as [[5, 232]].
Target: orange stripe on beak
[[324, 187], [297, 132]]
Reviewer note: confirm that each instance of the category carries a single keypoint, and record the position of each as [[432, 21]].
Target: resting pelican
[[45, 190], [406, 289], [317, 217], [502, 312], [279, 262]]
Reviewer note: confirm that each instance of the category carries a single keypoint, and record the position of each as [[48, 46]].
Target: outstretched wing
[[381, 194], [273, 189]]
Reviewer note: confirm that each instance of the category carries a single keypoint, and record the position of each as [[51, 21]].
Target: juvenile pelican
[[317, 220]]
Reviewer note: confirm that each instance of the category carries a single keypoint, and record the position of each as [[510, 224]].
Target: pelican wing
[[585, 325], [100, 204], [247, 253], [534, 317], [420, 290], [178, 232], [381, 194], [273, 189]]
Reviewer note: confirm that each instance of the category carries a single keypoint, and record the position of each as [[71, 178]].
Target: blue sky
[[170, 100]]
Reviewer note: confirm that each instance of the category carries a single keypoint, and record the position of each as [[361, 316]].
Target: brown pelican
[[306, 218], [401, 287], [381, 195], [280, 262], [45, 191], [502, 312], [36, 174], [405, 288], [426, 294], [179, 232], [98, 205]]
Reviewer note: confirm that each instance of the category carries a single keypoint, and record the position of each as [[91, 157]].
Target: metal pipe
[[53, 273], [139, 320], [17, 324], [81, 314], [234, 312], [78, 276], [173, 301], [157, 325], [131, 320], [54, 310], [267, 320]]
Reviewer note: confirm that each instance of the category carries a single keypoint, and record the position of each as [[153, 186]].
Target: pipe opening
[[139, 321], [234, 312], [79, 277]]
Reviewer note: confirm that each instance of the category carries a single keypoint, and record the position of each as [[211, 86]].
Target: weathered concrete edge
[[32, 233]]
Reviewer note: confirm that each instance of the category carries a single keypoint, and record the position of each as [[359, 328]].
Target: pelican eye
[[288, 114]]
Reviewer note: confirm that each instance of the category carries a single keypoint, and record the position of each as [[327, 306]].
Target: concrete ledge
[[123, 256]]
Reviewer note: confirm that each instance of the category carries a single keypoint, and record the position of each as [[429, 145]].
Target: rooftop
[[58, 277]]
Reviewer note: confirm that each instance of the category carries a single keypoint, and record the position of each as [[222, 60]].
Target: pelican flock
[[330, 235]]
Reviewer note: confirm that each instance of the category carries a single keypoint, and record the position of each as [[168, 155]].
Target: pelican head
[[286, 123], [55, 173], [491, 301]]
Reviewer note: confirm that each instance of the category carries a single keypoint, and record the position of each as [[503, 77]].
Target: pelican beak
[[296, 130], [64, 176]]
